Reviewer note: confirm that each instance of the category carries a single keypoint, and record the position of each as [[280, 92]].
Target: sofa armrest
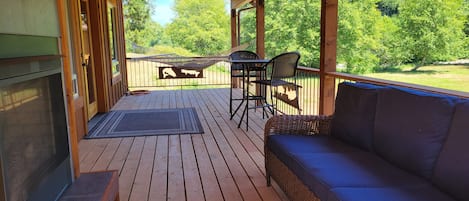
[[297, 125]]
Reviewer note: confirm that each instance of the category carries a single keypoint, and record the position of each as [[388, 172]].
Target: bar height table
[[248, 66]]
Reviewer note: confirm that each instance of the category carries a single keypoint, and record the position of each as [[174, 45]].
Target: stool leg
[[231, 97]]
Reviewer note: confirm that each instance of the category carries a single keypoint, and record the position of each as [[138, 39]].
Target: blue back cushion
[[451, 172], [411, 126], [354, 114]]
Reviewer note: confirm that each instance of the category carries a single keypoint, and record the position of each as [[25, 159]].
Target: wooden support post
[[67, 75], [328, 60], [260, 28], [260, 36], [234, 29], [234, 41]]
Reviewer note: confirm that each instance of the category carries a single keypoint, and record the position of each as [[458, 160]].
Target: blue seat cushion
[[411, 126], [452, 168], [421, 193], [322, 172], [354, 113], [284, 146]]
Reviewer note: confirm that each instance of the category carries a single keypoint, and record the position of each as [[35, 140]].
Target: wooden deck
[[224, 163]]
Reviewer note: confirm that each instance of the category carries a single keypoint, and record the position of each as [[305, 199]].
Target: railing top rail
[[308, 69], [174, 56], [377, 81]]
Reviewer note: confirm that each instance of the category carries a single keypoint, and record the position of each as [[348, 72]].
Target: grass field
[[454, 77]]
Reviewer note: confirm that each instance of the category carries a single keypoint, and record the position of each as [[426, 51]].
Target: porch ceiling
[[239, 3]]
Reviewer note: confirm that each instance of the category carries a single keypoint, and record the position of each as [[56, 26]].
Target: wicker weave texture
[[297, 125], [287, 180], [292, 125]]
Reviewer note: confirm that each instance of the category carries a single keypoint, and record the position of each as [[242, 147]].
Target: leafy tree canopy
[[136, 14], [372, 34], [290, 26], [432, 30], [201, 26]]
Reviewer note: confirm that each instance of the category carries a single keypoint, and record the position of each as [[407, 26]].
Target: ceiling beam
[[239, 3]]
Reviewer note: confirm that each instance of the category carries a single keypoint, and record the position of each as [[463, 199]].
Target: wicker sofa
[[382, 144]]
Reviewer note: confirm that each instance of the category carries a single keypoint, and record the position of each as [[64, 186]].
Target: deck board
[[159, 181], [176, 187], [129, 170], [107, 154], [224, 163], [192, 181], [142, 181]]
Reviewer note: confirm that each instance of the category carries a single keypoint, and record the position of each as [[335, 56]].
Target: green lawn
[[454, 77]]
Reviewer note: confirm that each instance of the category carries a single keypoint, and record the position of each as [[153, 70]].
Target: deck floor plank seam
[[224, 163], [254, 172], [210, 184], [159, 178], [142, 181], [225, 178], [129, 170], [239, 174]]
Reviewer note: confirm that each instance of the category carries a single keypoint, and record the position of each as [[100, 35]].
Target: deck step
[[94, 186]]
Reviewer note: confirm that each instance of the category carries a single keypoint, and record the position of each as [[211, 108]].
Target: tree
[[372, 35], [360, 35], [295, 25], [201, 26], [388, 7], [290, 26], [136, 14], [432, 30], [140, 31]]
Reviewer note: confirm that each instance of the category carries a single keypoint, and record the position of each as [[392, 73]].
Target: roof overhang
[[239, 3]]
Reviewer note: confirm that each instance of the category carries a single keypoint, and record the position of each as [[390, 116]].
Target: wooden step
[[94, 186]]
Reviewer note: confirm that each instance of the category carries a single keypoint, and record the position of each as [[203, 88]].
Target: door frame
[[91, 107]]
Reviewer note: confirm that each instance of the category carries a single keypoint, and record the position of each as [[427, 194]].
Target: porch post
[[234, 41], [260, 37], [234, 25], [260, 28], [329, 24]]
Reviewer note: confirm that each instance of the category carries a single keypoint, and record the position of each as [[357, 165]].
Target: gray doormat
[[131, 123]]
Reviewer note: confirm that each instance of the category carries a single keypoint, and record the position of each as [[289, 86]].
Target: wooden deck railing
[[341, 77], [143, 73], [308, 79], [355, 78], [309, 94]]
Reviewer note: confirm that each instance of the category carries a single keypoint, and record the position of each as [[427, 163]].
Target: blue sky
[[163, 12]]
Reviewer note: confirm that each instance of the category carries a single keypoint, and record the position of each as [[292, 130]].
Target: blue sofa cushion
[[283, 146], [321, 172], [354, 114], [422, 193], [452, 168], [411, 126]]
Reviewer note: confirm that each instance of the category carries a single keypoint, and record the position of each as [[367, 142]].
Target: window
[[113, 40]]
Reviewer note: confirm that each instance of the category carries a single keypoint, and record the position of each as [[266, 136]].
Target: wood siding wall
[[119, 87], [109, 88]]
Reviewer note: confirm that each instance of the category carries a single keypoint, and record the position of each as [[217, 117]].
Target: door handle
[[85, 63], [85, 60]]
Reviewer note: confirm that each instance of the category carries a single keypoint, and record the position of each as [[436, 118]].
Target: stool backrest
[[242, 55], [284, 65]]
